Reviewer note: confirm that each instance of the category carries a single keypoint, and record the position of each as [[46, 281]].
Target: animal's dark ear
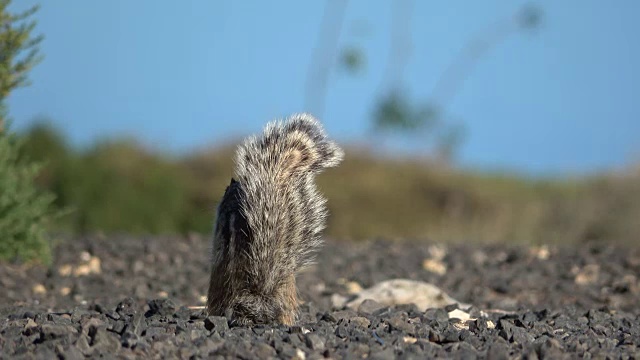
[[231, 184]]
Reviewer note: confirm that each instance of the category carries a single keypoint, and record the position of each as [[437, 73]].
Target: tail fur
[[270, 221]]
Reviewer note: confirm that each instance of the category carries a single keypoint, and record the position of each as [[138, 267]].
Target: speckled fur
[[270, 221]]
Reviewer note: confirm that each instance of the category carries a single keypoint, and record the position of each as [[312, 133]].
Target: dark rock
[[340, 315], [113, 315], [71, 353], [137, 324], [400, 322], [297, 340], [342, 331], [91, 326], [435, 336], [208, 346], [44, 353], [505, 328], [464, 335], [259, 330], [450, 335], [118, 327], [369, 306], [216, 323], [197, 334], [329, 317], [462, 350], [411, 309], [529, 318], [360, 321], [58, 319], [262, 351], [50, 332], [357, 350], [386, 354], [498, 351], [15, 316], [129, 339], [98, 308], [549, 348], [436, 315], [162, 307], [198, 315], [127, 307], [183, 313], [155, 332], [297, 329], [105, 342], [314, 342], [521, 336], [451, 307], [82, 344], [287, 351], [429, 349], [28, 315]]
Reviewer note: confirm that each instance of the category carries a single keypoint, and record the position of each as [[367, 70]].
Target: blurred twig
[[323, 56], [401, 43], [452, 78], [395, 112]]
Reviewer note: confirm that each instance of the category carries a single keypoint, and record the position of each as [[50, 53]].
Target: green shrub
[[24, 208], [118, 186], [121, 186]]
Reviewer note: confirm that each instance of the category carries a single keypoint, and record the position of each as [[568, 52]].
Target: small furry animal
[[269, 222]]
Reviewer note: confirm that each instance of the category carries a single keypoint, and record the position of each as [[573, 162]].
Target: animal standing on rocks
[[269, 222]]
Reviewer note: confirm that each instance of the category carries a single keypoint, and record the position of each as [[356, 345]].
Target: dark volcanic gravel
[[129, 298]]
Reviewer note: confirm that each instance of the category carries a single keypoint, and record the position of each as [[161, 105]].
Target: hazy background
[[462, 121], [557, 98]]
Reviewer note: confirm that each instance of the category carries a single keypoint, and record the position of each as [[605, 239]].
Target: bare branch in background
[[323, 56], [451, 80], [395, 112], [401, 43]]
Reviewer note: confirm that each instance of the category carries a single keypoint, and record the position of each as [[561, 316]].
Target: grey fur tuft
[[270, 221]]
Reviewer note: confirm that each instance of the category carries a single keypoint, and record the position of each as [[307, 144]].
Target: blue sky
[[562, 99]]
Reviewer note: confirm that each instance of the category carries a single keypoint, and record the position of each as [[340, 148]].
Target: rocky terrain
[[126, 297]]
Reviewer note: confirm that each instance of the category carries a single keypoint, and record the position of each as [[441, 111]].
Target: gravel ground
[[127, 297]]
